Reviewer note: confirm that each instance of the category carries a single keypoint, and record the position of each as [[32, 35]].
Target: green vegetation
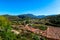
[[53, 20], [19, 22], [43, 28], [39, 26], [5, 29], [6, 34], [31, 36], [6, 22]]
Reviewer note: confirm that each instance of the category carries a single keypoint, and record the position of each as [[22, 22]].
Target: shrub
[[42, 27], [5, 29]]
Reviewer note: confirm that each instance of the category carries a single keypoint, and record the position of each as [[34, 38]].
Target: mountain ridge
[[29, 15]]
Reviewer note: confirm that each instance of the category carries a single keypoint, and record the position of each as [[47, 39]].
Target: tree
[[5, 29], [54, 20]]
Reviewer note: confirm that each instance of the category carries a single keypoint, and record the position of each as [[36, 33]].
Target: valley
[[24, 27]]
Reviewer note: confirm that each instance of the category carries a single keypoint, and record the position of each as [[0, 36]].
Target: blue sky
[[36, 7]]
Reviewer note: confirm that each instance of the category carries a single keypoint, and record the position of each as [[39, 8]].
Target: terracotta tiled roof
[[51, 32]]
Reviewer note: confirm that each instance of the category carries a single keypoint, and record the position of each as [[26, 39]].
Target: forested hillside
[[53, 20]]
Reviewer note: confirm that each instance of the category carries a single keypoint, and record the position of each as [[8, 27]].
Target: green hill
[[54, 20]]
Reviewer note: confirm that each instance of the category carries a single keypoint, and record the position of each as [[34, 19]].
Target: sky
[[36, 7]]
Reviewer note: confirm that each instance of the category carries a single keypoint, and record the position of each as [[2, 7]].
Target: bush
[[42, 27], [5, 29], [39, 26]]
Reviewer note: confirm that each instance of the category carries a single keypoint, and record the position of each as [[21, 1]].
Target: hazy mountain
[[27, 15], [30, 16], [41, 16]]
